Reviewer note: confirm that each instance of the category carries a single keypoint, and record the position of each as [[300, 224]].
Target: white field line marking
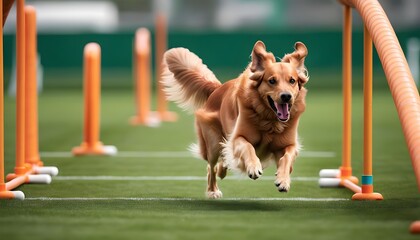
[[174, 154], [166, 178], [185, 199]]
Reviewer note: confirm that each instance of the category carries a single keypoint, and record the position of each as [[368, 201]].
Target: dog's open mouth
[[282, 110]]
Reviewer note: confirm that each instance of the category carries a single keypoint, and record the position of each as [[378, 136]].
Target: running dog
[[247, 122]]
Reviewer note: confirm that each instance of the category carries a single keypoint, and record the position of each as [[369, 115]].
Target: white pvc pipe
[[39, 178], [110, 150], [52, 171], [329, 182], [329, 173], [18, 195]]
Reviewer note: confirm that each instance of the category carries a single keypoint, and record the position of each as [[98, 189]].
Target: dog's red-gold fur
[[246, 122]]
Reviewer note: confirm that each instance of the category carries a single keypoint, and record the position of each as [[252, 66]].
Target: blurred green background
[[222, 33]]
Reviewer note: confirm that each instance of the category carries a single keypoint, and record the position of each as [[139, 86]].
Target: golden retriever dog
[[245, 123]]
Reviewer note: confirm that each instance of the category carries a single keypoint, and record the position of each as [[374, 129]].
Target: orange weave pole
[[20, 168], [345, 169], [367, 178], [367, 103], [92, 94], [31, 96], [91, 86], [161, 46], [5, 192], [142, 77]]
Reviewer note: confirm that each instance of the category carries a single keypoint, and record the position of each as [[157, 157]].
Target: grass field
[[154, 190]]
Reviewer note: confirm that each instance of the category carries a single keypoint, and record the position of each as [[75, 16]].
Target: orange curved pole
[[400, 81]]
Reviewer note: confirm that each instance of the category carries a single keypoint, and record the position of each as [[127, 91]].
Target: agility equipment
[[141, 64], [343, 176], [31, 97], [141, 71], [92, 94], [28, 167], [367, 178], [403, 89], [415, 227], [31, 131], [161, 46]]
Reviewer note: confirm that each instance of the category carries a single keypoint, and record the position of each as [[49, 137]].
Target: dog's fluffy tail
[[187, 81]]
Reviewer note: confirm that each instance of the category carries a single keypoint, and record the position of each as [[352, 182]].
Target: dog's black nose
[[285, 97]]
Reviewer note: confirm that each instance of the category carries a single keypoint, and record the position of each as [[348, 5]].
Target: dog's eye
[[272, 81], [292, 81]]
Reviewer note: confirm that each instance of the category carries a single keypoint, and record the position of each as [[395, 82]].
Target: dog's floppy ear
[[297, 59], [260, 57]]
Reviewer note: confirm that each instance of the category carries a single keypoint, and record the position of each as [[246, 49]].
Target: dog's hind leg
[[212, 158], [209, 137], [213, 191]]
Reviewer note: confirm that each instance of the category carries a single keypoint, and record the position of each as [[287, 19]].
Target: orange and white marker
[[32, 156], [25, 171], [142, 52], [343, 177], [92, 93], [367, 178], [5, 193], [161, 46]]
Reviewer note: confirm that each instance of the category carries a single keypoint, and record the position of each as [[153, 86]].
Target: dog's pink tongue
[[282, 110]]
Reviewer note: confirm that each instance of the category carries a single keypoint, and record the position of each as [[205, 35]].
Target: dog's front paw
[[214, 194], [282, 184], [255, 171]]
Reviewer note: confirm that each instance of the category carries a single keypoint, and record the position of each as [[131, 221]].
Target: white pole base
[[39, 178], [110, 150], [329, 182], [18, 195], [329, 173], [52, 171], [153, 121]]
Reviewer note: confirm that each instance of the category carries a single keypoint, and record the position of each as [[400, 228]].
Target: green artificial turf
[[177, 209]]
